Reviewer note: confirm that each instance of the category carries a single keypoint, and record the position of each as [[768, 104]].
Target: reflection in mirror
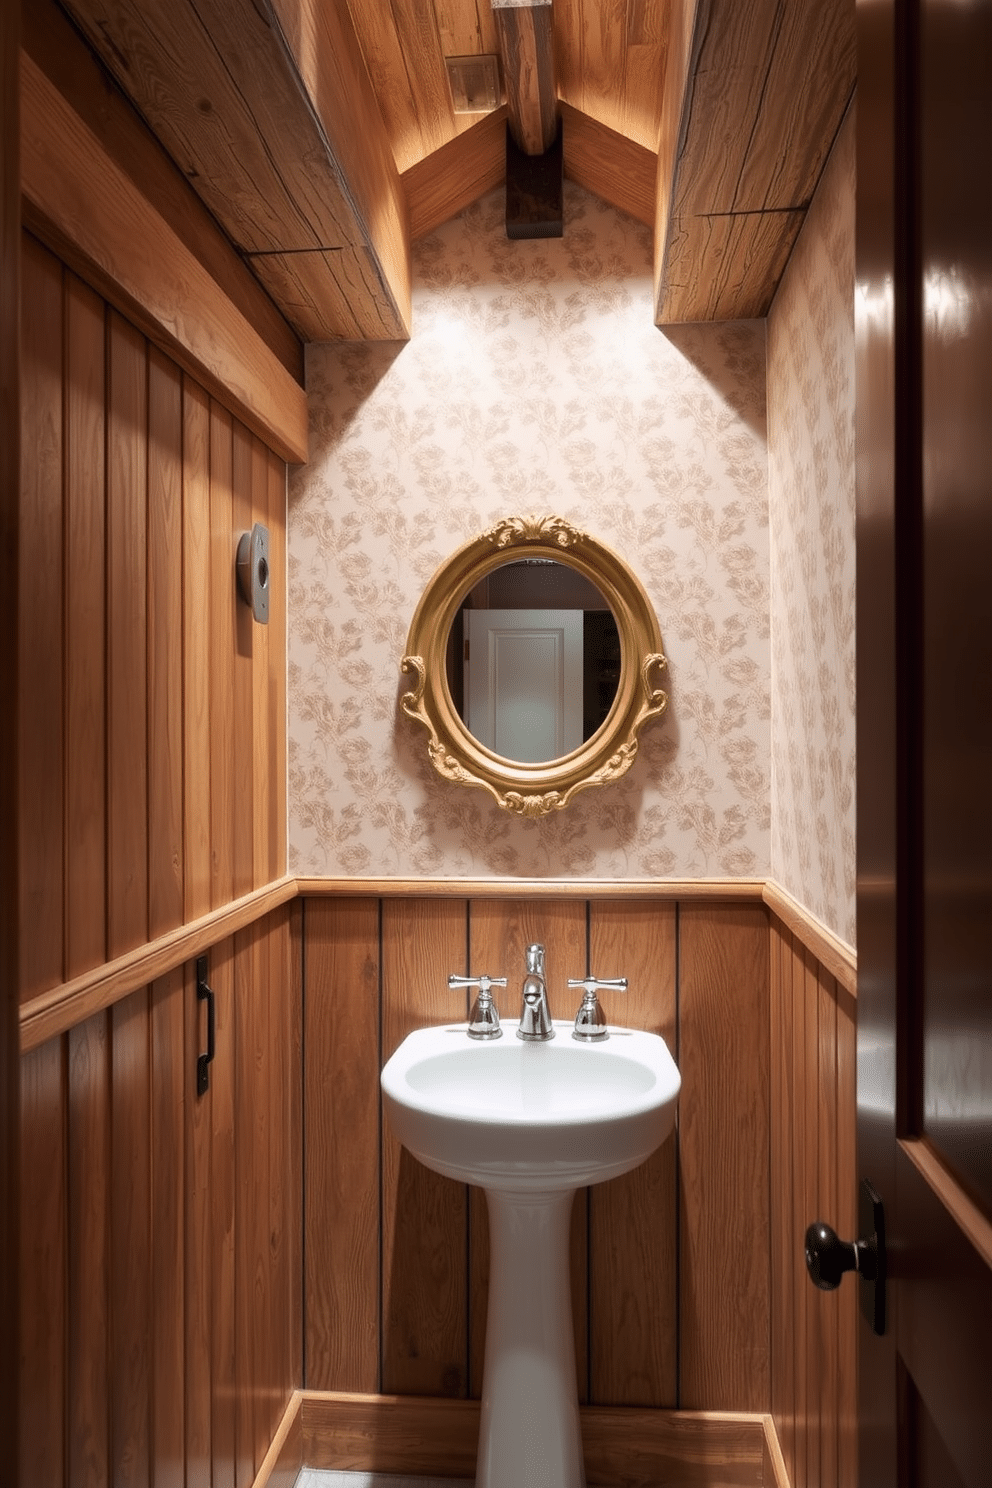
[[533, 660]]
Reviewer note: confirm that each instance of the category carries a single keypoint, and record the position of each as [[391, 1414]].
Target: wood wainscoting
[[813, 1176], [670, 1264], [161, 1261], [689, 1284], [151, 709]]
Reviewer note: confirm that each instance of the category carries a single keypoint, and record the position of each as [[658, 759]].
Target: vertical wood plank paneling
[[783, 1260], [247, 1159], [127, 627], [295, 1129], [137, 811], [89, 1194], [341, 1045], [632, 1253], [723, 1153], [813, 1176], [847, 1216], [165, 645], [261, 773], [168, 1222], [276, 992], [130, 1245], [40, 624], [424, 1301], [499, 932], [800, 1295], [43, 1265], [222, 1280], [277, 666], [260, 1073], [196, 648], [223, 599], [814, 1342], [243, 749], [199, 1353], [85, 632], [829, 1302]]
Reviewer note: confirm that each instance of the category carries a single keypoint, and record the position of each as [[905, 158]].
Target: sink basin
[[530, 1123], [531, 1116]]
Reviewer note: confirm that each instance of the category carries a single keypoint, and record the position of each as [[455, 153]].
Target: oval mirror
[[544, 715]]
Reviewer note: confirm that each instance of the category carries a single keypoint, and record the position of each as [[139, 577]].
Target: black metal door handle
[[205, 994], [828, 1257]]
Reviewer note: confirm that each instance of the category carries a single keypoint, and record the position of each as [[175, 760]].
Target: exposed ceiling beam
[[754, 96], [526, 40], [267, 108]]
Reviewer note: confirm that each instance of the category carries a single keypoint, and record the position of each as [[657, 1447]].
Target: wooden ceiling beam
[[526, 40], [754, 96], [266, 107]]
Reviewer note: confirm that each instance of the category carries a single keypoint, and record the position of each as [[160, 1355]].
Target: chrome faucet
[[535, 1015]]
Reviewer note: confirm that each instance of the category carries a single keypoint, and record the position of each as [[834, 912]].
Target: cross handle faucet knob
[[590, 1020], [483, 1020]]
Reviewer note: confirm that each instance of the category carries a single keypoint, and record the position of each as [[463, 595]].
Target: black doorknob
[[827, 1257]]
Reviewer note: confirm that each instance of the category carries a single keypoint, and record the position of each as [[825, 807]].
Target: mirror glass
[[533, 660]]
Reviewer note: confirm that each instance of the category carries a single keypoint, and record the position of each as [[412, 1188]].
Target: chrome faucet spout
[[535, 1014]]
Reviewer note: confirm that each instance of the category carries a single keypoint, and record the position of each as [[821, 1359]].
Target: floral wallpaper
[[535, 382], [811, 502]]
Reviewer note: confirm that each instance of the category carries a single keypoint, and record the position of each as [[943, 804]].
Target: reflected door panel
[[523, 682]]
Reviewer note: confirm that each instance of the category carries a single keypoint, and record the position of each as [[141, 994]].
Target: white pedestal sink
[[530, 1123]]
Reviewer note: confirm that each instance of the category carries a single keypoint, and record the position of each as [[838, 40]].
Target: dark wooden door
[[924, 348]]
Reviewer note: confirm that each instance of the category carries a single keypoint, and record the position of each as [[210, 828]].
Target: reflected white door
[[523, 682]]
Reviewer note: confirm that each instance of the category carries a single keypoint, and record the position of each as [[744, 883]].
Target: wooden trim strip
[[716, 890], [61, 1008], [422, 1436], [78, 199], [282, 1462], [774, 1473], [962, 1209], [833, 954]]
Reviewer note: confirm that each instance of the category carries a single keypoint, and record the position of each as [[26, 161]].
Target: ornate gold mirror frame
[[534, 789]]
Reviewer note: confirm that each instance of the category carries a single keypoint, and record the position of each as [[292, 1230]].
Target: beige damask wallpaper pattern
[[535, 381], [811, 502]]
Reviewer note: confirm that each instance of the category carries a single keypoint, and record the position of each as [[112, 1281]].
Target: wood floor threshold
[[61, 1008], [626, 1447]]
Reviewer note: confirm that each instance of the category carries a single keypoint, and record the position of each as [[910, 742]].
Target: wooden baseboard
[[623, 1446]]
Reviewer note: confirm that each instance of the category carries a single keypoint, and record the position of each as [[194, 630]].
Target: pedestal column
[[529, 1435]]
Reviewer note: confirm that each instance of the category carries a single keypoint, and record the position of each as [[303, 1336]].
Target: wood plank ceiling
[[322, 134]]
